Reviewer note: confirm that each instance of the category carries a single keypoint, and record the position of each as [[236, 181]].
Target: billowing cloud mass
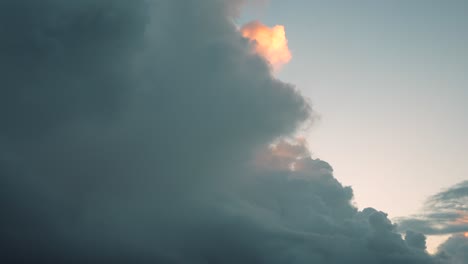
[[455, 249], [128, 131], [270, 43]]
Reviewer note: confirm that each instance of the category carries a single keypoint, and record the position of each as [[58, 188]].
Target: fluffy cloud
[[270, 43], [128, 133], [455, 250]]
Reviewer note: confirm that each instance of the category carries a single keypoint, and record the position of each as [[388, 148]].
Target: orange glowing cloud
[[270, 43], [466, 234]]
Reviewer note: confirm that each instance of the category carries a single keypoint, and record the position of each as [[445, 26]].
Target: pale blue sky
[[389, 80]]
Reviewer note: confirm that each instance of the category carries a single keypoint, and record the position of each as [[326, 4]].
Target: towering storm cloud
[[140, 131]]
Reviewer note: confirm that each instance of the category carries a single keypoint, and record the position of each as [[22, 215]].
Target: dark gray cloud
[[445, 213], [415, 240], [455, 198], [128, 131], [455, 250]]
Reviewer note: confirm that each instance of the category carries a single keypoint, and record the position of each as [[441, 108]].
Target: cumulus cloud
[[128, 133], [270, 43], [455, 250], [283, 155], [415, 240]]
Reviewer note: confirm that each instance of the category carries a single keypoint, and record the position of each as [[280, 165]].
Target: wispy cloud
[[444, 213]]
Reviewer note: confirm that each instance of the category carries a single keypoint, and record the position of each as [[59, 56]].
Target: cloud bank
[[445, 213], [455, 249], [132, 132]]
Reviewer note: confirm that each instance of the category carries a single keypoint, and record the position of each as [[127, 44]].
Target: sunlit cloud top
[[270, 43]]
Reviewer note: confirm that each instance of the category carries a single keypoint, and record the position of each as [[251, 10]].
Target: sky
[[388, 80], [137, 131]]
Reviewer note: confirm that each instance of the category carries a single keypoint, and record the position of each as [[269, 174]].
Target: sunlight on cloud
[[270, 43]]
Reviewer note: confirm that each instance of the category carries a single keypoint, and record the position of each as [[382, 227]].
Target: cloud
[[446, 213], [455, 249], [270, 43], [415, 240], [128, 133], [283, 155]]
